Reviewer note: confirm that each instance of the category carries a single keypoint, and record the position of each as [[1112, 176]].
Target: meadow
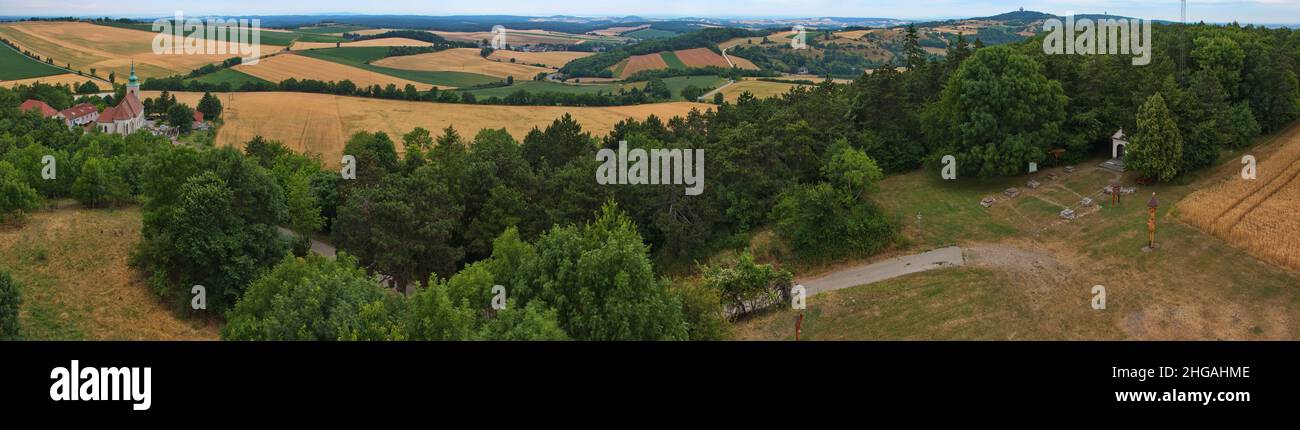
[[366, 57], [465, 60], [760, 89], [281, 67], [18, 66]]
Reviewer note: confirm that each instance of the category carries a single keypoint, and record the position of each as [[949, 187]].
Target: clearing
[[72, 263]]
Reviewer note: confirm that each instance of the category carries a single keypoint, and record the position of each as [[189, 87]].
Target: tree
[[1156, 149], [10, 303], [316, 298], [913, 53], [181, 116], [304, 210], [16, 197], [99, 184], [210, 105], [999, 113], [747, 286]]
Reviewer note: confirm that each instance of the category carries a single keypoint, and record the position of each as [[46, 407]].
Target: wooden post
[[1151, 221], [798, 327]]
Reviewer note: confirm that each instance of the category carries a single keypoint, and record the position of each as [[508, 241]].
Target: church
[[128, 115]]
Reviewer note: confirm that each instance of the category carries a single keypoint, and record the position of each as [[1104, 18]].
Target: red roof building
[[127, 116], [198, 116], [38, 106], [81, 114]]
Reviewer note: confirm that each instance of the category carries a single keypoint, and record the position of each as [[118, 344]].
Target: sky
[[1245, 11]]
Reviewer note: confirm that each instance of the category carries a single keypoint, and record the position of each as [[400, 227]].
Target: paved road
[[891, 268]]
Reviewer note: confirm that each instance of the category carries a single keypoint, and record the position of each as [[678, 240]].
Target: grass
[[1195, 287], [649, 33], [361, 56], [72, 264], [234, 77], [670, 57], [14, 65]]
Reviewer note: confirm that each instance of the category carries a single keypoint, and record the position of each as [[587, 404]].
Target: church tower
[[133, 85]]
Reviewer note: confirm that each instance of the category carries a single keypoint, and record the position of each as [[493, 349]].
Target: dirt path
[[709, 94], [891, 268]]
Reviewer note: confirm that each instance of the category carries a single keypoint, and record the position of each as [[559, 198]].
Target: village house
[[128, 115], [80, 115], [40, 107]]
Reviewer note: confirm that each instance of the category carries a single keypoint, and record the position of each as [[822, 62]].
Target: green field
[[234, 77], [670, 57], [360, 57], [330, 29], [19, 66], [677, 83], [544, 87], [275, 38], [649, 33]]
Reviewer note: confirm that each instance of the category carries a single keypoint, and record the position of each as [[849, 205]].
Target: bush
[[10, 300], [748, 287], [16, 197]]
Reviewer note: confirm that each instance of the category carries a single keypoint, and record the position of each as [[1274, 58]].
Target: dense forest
[[455, 215]]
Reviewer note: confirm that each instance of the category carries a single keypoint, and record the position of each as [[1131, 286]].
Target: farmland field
[[19, 66], [234, 77], [364, 57], [387, 41], [701, 57], [69, 79], [1262, 215], [553, 59], [760, 89], [637, 63], [285, 66], [321, 123], [649, 33], [528, 37], [544, 87], [465, 60], [107, 49], [274, 38], [671, 59]]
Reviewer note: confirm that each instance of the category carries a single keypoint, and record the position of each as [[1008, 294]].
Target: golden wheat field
[[760, 89], [387, 41], [1260, 215], [70, 79], [280, 67], [553, 59], [321, 123], [86, 46], [462, 60], [520, 37]]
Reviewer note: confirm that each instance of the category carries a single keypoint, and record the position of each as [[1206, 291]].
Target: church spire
[[133, 79]]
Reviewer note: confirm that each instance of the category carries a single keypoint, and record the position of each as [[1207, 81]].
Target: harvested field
[[461, 60], [760, 89], [855, 34], [553, 59], [701, 57], [637, 63], [1262, 215], [321, 123], [387, 41], [70, 79], [615, 31], [742, 63], [781, 37], [106, 49], [280, 67], [526, 37]]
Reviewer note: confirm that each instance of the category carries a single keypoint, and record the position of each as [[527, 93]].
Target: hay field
[[64, 79], [760, 89], [280, 67], [553, 59], [1261, 216], [387, 41], [321, 123], [742, 63], [461, 60], [615, 31], [87, 46], [779, 37], [701, 57]]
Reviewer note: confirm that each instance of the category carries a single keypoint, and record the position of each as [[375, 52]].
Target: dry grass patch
[[760, 89], [321, 123], [552, 59], [87, 46], [72, 263], [280, 67], [461, 60], [71, 79]]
